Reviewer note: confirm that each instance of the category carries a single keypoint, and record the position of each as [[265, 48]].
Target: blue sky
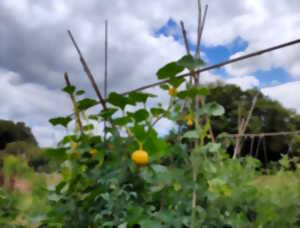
[[219, 53]]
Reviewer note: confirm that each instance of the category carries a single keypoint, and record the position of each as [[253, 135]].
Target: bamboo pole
[[105, 59], [77, 115], [243, 127], [215, 66], [89, 74]]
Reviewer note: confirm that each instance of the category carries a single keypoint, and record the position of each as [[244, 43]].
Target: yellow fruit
[[172, 91], [75, 155], [140, 157], [189, 122], [93, 152]]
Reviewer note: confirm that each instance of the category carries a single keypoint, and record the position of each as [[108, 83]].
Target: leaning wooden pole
[[105, 68], [76, 111], [218, 65], [242, 128], [89, 74], [105, 58], [215, 66]]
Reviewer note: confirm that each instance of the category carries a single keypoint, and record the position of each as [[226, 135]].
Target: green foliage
[[169, 70], [15, 166], [8, 210], [86, 103], [189, 181], [63, 121], [25, 203], [190, 62]]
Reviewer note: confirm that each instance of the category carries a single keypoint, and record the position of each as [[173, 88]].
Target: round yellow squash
[[140, 157]]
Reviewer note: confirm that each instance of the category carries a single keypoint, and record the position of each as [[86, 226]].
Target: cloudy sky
[[35, 50]]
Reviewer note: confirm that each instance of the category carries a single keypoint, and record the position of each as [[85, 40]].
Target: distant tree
[[11, 132], [268, 116]]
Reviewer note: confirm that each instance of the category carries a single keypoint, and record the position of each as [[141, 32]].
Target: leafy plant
[[138, 179]]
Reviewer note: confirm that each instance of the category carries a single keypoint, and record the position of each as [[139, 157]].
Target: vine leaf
[[169, 70], [119, 101], [190, 62], [86, 103], [64, 121]]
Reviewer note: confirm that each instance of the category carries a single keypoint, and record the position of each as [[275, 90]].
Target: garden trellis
[[214, 66], [195, 74], [185, 179]]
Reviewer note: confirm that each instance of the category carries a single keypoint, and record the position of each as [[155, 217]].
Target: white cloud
[[265, 24], [33, 104], [286, 94], [245, 83], [36, 52]]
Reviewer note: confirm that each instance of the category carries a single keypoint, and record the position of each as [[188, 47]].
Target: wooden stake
[[242, 128], [89, 74], [105, 59], [77, 115]]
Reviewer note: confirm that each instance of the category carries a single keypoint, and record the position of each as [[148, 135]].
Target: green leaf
[[64, 121], [80, 92], [69, 89], [214, 147], [157, 111], [88, 127], [119, 100], [93, 117], [165, 86], [123, 225], [212, 109], [193, 92], [190, 62], [150, 224], [140, 96], [122, 121], [139, 132], [140, 115], [159, 168], [58, 153], [176, 82], [155, 146], [191, 134], [169, 70], [134, 215], [86, 103], [106, 114]]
